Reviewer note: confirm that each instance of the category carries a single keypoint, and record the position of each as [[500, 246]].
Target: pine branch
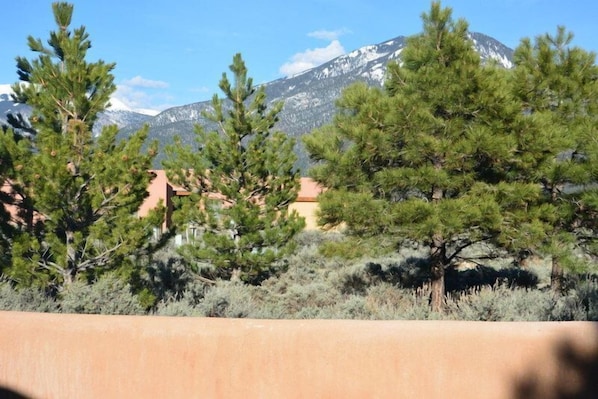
[[103, 208], [82, 188], [99, 260], [468, 243], [50, 266]]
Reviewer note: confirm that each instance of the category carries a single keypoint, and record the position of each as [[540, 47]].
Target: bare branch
[[99, 260]]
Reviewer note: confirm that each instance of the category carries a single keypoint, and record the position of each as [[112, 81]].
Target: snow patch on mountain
[[491, 49], [376, 72], [118, 105], [6, 92], [117, 114]]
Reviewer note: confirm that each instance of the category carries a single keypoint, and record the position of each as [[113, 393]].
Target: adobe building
[[306, 203], [161, 189]]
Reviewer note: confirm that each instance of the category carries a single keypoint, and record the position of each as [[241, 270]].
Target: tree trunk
[[557, 276], [437, 262], [71, 259], [67, 278], [437, 253]]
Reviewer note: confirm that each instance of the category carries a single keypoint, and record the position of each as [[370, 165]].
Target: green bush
[[353, 307], [165, 275], [181, 307], [315, 238], [354, 248], [386, 301], [579, 303], [185, 304], [227, 299], [108, 295], [383, 286], [587, 292], [26, 299], [502, 303]]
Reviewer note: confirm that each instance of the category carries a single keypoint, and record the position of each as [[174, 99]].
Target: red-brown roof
[[309, 190]]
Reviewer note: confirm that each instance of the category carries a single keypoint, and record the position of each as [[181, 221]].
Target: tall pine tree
[[241, 179], [429, 158], [558, 83], [7, 227], [78, 195]]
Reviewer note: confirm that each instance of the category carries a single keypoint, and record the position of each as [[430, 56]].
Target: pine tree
[[7, 229], [242, 181], [430, 158], [61, 84], [78, 195], [558, 83]]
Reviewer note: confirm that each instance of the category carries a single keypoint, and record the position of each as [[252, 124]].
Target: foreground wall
[[79, 356]]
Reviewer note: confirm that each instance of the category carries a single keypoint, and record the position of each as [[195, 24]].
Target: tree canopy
[[77, 195], [557, 83], [241, 182], [438, 156]]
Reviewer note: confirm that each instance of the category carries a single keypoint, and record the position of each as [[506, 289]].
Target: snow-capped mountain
[[121, 118], [5, 92], [118, 113], [309, 96]]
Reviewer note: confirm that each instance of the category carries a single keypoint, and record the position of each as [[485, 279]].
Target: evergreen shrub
[[228, 299], [108, 295], [25, 299]]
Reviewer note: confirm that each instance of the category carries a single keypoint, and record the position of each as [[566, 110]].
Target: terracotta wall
[[308, 211], [159, 190], [82, 356]]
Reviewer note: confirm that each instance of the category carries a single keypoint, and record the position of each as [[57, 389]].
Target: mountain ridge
[[309, 96]]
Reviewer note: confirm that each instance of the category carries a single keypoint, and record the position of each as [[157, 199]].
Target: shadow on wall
[[7, 393], [577, 377]]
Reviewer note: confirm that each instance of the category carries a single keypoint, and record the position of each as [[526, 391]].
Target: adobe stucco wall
[[78, 356], [308, 211]]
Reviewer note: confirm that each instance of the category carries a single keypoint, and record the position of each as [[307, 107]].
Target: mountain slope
[[120, 116], [309, 97]]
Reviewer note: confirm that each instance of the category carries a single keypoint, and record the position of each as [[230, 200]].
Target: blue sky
[[171, 53]]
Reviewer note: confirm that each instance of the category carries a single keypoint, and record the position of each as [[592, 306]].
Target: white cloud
[[328, 34], [138, 81], [311, 58], [6, 89], [141, 95]]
